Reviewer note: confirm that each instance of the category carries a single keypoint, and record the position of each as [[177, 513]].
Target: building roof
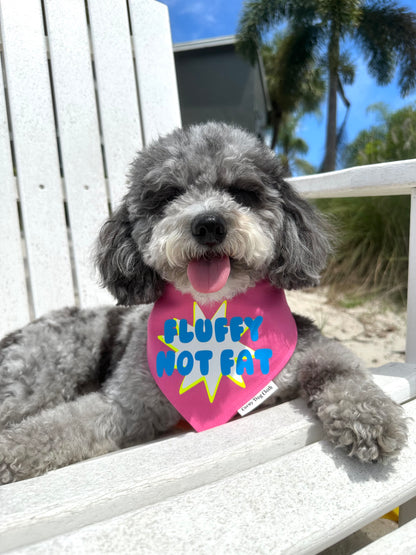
[[205, 43]]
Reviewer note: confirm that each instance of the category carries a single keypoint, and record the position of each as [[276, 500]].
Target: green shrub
[[371, 256], [373, 241]]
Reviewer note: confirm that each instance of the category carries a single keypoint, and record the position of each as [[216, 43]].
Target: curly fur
[[75, 384]]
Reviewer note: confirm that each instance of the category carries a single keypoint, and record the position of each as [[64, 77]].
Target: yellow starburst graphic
[[213, 378]]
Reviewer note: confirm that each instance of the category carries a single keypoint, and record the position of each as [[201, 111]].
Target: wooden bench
[[82, 92]]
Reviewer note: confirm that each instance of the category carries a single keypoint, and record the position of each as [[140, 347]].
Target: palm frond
[[386, 33], [346, 68], [382, 112], [292, 69], [342, 14], [299, 145], [303, 167], [256, 17], [259, 15]]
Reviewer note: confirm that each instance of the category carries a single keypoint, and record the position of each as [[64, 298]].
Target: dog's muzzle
[[209, 229]]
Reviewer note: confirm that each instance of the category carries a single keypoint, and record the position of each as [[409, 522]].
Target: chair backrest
[[84, 84], [390, 178]]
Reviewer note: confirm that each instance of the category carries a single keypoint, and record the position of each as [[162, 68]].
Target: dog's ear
[[302, 246], [121, 264]]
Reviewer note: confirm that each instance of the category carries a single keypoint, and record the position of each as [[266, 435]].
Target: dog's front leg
[[129, 409], [354, 411], [89, 426]]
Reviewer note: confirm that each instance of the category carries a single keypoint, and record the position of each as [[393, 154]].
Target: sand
[[374, 331]]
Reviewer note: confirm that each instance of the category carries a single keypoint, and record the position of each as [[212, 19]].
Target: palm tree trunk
[[275, 134], [331, 124], [276, 122]]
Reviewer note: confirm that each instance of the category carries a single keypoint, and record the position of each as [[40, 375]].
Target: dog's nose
[[209, 229]]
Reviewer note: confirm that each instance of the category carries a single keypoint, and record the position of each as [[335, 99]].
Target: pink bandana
[[210, 360]]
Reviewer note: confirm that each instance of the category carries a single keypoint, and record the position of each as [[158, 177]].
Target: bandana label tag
[[258, 399]]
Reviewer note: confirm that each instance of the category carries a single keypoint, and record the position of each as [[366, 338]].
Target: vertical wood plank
[[79, 138], [117, 91], [14, 302], [158, 92], [411, 290], [36, 154]]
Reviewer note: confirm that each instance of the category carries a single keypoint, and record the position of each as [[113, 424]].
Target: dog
[[75, 383]]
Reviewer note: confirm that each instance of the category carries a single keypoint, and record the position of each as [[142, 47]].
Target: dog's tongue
[[209, 275]]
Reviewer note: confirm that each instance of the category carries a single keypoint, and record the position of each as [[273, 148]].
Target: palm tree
[[384, 31], [392, 138], [290, 146], [288, 95]]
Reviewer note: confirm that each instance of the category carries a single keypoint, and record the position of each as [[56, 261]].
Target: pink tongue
[[209, 275]]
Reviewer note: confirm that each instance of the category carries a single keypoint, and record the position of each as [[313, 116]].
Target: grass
[[352, 302], [371, 255]]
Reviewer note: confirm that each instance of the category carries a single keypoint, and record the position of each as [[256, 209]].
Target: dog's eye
[[171, 193], [245, 197], [155, 201]]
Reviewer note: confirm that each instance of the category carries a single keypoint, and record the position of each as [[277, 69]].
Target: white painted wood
[[155, 68], [391, 178], [79, 138], [147, 474], [117, 91], [283, 506], [397, 380], [67, 499], [411, 290], [399, 542], [14, 303], [35, 147]]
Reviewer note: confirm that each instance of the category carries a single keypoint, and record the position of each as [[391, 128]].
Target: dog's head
[[208, 211]]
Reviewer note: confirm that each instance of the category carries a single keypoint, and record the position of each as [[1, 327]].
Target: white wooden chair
[[78, 101], [79, 97]]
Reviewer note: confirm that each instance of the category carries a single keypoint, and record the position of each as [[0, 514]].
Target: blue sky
[[201, 19]]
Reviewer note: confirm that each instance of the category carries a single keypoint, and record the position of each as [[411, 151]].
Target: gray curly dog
[[75, 384]]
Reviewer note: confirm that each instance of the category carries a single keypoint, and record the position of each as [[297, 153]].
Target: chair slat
[[14, 303], [299, 503], [155, 68], [117, 91], [151, 473], [35, 148], [79, 138], [385, 179], [411, 290]]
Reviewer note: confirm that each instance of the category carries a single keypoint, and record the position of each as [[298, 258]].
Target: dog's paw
[[19, 457], [11, 457], [371, 427]]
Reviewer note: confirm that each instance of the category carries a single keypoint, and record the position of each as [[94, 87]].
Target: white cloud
[[204, 11]]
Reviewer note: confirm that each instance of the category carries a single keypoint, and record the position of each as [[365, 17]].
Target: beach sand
[[373, 330]]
